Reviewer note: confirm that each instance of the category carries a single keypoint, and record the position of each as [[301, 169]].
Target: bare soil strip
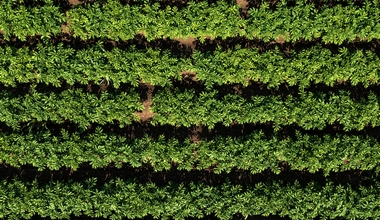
[[145, 114], [75, 2]]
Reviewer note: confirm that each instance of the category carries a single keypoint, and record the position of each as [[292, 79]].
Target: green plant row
[[199, 20], [308, 110], [317, 64], [332, 24], [53, 64], [115, 21], [24, 21], [255, 152], [127, 198], [118, 22], [70, 105]]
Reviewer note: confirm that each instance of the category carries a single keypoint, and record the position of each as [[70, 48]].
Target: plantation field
[[131, 109]]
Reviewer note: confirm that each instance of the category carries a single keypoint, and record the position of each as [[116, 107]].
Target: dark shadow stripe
[[357, 92], [68, 4], [150, 217], [182, 50], [194, 133], [145, 174]]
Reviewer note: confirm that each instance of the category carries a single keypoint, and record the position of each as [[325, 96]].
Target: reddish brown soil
[[189, 76], [75, 2], [189, 42], [145, 114], [196, 134], [280, 39], [64, 28], [244, 5]]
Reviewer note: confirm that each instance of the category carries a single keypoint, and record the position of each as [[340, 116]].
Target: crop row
[[70, 105], [177, 108], [308, 110], [115, 21], [53, 64], [314, 65], [254, 152], [126, 198], [23, 21]]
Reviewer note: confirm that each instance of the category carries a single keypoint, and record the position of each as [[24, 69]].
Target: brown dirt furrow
[[146, 115], [189, 76], [75, 2], [188, 42], [280, 40], [244, 6], [64, 28]]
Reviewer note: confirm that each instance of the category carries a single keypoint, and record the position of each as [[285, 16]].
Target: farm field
[[219, 109]]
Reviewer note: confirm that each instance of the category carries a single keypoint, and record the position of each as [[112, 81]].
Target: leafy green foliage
[[70, 105], [115, 21], [317, 64], [112, 20], [255, 152], [304, 21], [127, 198], [23, 22], [54, 64], [309, 110]]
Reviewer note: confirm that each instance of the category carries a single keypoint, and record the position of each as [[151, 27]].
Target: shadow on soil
[[145, 174]]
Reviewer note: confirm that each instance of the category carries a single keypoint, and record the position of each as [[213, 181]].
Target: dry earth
[[146, 114]]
